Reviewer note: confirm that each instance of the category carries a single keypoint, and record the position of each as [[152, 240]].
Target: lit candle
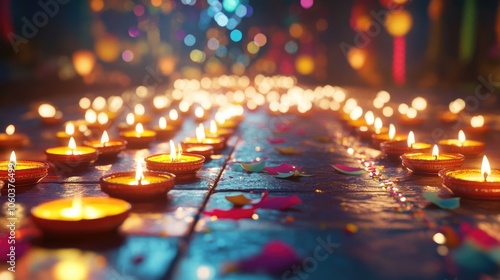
[[462, 145], [426, 163], [374, 126], [399, 147], [476, 183], [107, 148], [24, 172], [12, 140], [69, 131], [164, 130], [78, 217], [49, 114], [377, 139], [217, 143], [138, 185], [183, 165], [72, 156], [139, 137], [215, 131]]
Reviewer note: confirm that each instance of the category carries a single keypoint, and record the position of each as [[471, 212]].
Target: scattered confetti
[[275, 258], [348, 170], [287, 151], [276, 140], [238, 200], [278, 202], [445, 203]]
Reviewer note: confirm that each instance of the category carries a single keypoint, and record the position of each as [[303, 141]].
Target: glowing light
[[461, 137], [384, 96], [435, 151], [173, 115], [83, 62], [403, 108], [260, 39], [378, 125], [378, 103], [439, 238], [304, 64], [356, 58], [200, 133], [72, 145], [69, 129], [356, 113], [369, 117], [485, 168], [411, 139], [419, 103], [90, 116], [64, 268], [457, 105], [161, 101], [306, 4], [127, 55], [46, 111], [84, 103], [213, 127], [104, 137], [296, 30], [141, 91], [477, 121], [230, 5], [102, 118], [99, 103], [387, 112], [139, 175], [10, 129], [197, 56], [411, 113], [139, 109], [199, 112], [13, 157], [162, 123], [252, 47], [392, 131], [203, 273], [139, 129], [221, 19], [190, 40], [236, 35], [130, 119], [398, 23]]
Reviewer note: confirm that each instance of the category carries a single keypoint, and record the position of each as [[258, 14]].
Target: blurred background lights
[[230, 5], [127, 55], [190, 40], [236, 35], [306, 4]]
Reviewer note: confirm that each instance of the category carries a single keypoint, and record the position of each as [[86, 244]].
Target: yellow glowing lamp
[[13, 157], [485, 168], [139, 129], [139, 175], [104, 138], [378, 125], [70, 129], [411, 139], [83, 62], [72, 145], [200, 133], [10, 129], [392, 131], [130, 119], [398, 23], [435, 152], [162, 123], [213, 127], [461, 137]]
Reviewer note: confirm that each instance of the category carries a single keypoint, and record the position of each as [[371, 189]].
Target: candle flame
[[139, 109], [477, 121], [69, 129], [392, 131], [200, 133], [411, 139], [104, 137], [10, 129], [369, 117], [76, 210], [461, 137], [213, 127], [173, 115], [172, 150], [13, 157], [485, 168], [139, 129], [90, 116], [199, 112], [72, 143], [378, 125], [130, 119], [47, 111], [435, 152], [162, 123], [139, 175]]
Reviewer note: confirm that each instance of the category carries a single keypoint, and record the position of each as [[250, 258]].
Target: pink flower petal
[[235, 213], [348, 169], [282, 168], [278, 202], [276, 140], [478, 236]]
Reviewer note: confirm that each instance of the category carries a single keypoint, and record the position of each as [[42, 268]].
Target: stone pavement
[[172, 239]]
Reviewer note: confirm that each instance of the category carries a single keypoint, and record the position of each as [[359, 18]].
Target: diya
[[139, 138], [23, 172], [398, 147], [218, 143], [427, 163], [391, 135], [107, 148], [72, 156], [163, 130], [12, 140], [462, 145]]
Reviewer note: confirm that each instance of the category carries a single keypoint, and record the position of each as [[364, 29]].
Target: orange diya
[[69, 131], [139, 138], [20, 173], [462, 145], [183, 165], [215, 131], [391, 135], [473, 183], [399, 147], [78, 217], [107, 148], [72, 156], [163, 130], [138, 185], [427, 163], [218, 143], [11, 139]]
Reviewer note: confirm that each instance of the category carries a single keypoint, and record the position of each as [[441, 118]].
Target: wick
[[485, 176], [435, 157]]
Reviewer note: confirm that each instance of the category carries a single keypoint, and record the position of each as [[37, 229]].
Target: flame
[[10, 129], [461, 137], [200, 133], [411, 139], [139, 109], [72, 143], [213, 127], [130, 119], [139, 129], [13, 157], [392, 131], [76, 210], [173, 115], [172, 151], [477, 121], [369, 117], [162, 123], [139, 175], [70, 129], [485, 168], [90, 116], [378, 125], [435, 152], [104, 137], [199, 112], [47, 111]]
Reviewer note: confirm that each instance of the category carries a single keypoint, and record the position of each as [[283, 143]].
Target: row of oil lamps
[[92, 214], [445, 159]]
